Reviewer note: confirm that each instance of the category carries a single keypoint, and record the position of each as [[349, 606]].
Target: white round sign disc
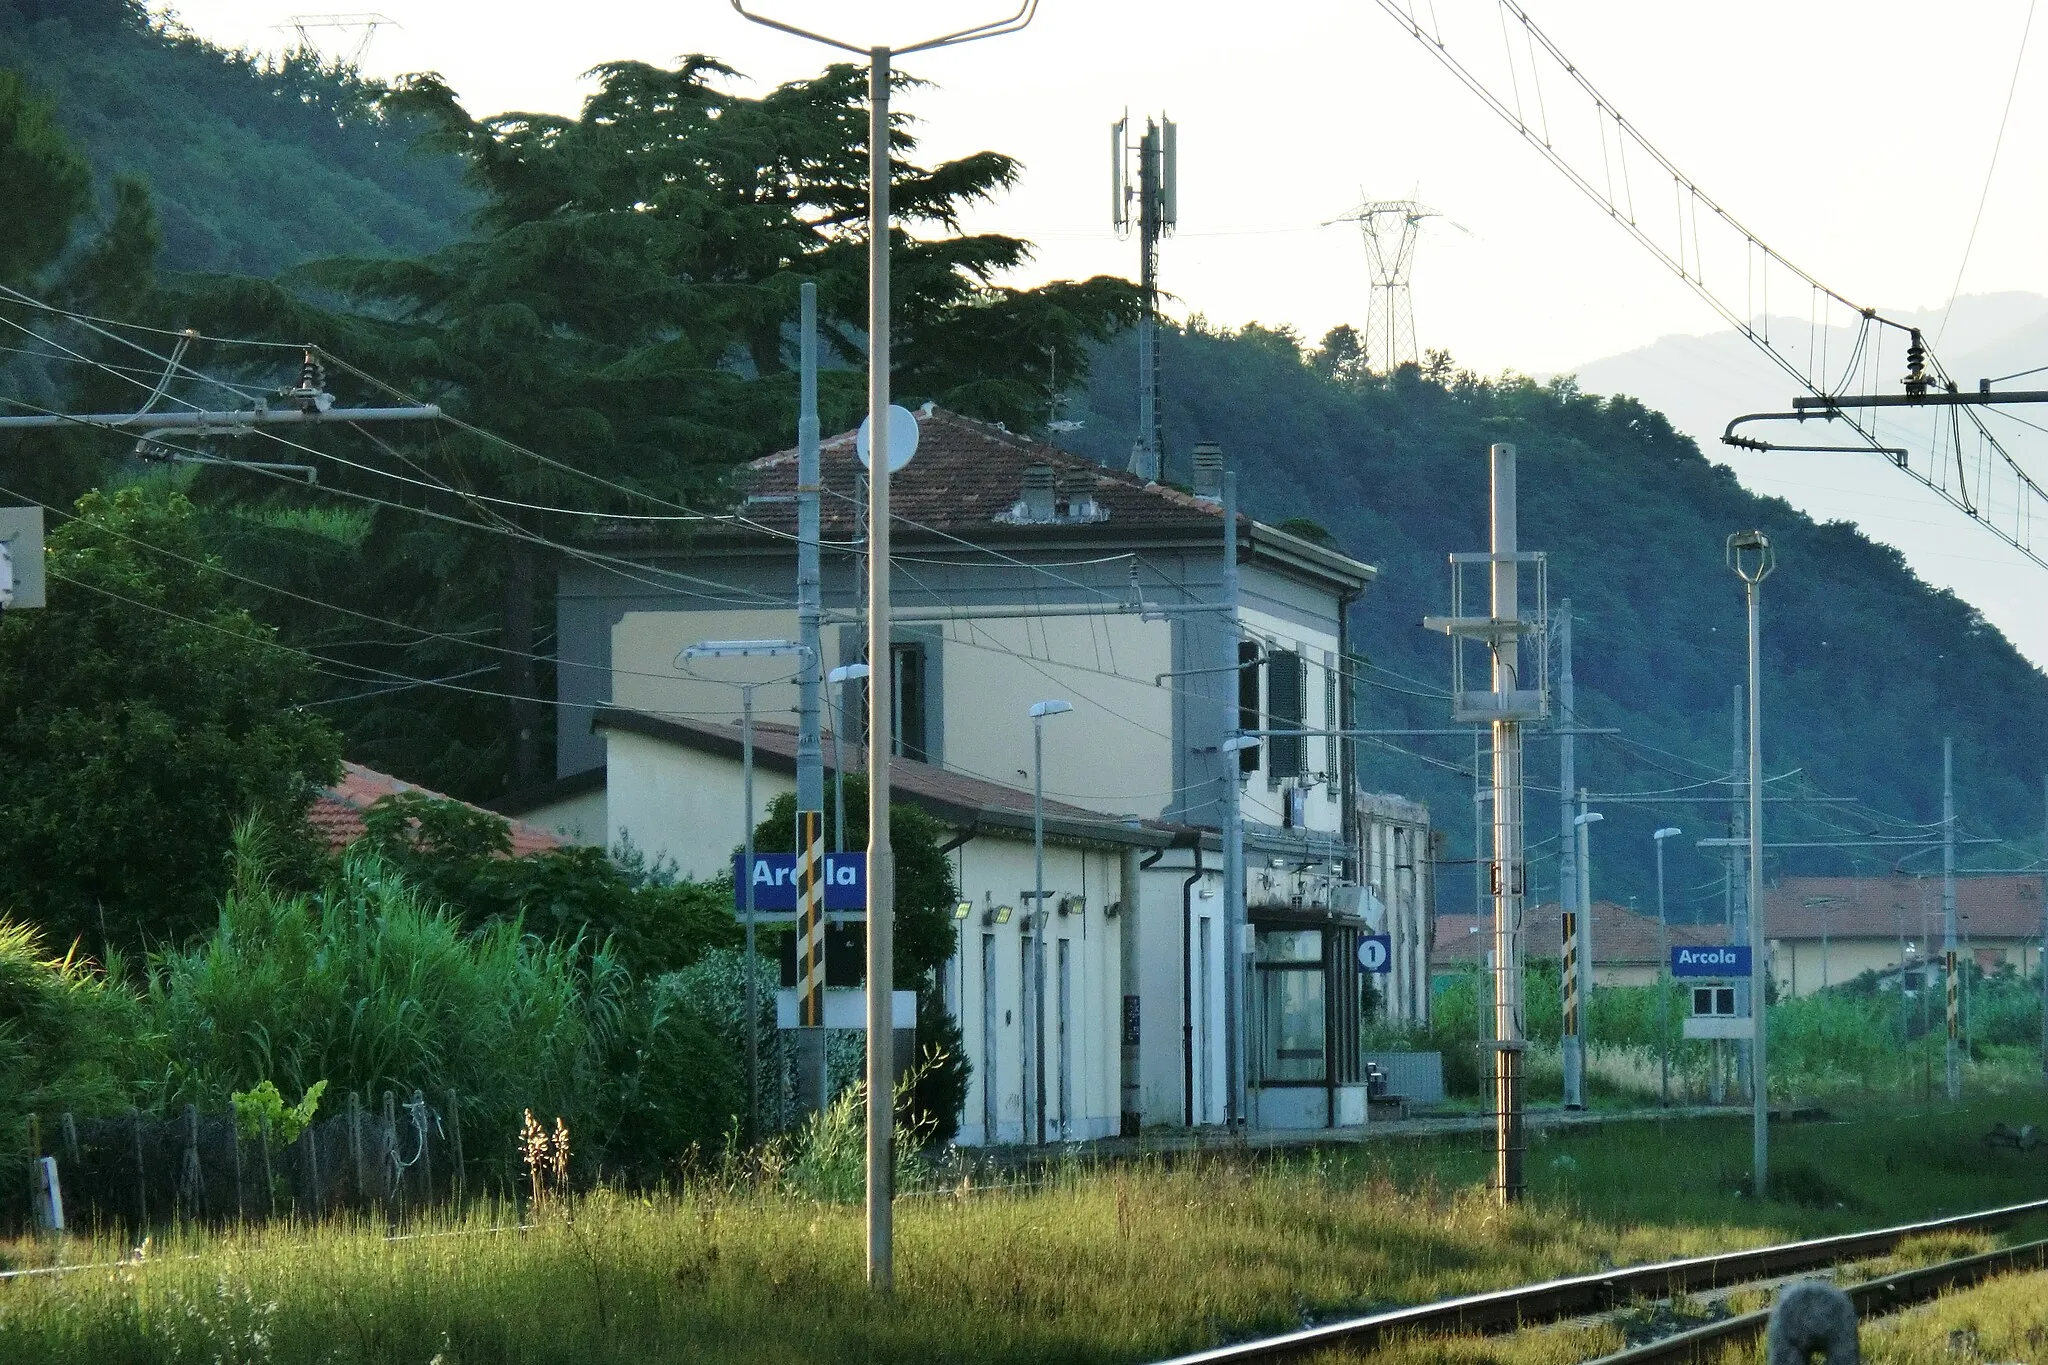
[[902, 438]]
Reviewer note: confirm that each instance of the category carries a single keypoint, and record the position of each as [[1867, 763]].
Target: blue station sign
[[846, 882], [1717, 962], [1376, 953]]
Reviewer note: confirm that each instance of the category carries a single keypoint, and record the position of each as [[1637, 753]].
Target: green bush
[[368, 985], [70, 1039]]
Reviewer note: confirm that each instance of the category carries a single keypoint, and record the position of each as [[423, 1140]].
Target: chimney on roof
[[1209, 471], [1037, 502], [1143, 463], [1075, 500]]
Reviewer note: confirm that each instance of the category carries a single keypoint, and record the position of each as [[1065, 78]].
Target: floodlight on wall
[[1000, 915], [1073, 905], [963, 909]]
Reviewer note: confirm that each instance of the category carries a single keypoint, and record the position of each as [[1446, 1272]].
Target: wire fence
[[136, 1171]]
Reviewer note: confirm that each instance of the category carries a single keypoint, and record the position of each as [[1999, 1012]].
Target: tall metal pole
[[1587, 818], [1507, 836], [1759, 993], [1148, 288], [810, 750], [1567, 844], [1235, 1090], [753, 987], [1038, 908], [1952, 1063], [881, 736], [1663, 972], [881, 707], [1739, 871]]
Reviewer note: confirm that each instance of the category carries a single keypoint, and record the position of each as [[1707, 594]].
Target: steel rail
[[1873, 1298], [1505, 1310]]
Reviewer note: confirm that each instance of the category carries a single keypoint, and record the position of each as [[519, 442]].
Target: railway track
[[1506, 1310]]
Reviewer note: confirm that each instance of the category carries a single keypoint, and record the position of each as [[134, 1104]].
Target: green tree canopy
[[142, 715], [624, 315]]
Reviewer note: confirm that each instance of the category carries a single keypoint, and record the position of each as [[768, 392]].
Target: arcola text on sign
[[1720, 960], [846, 882]]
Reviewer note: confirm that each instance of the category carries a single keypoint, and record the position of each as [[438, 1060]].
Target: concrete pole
[[1952, 1070], [1507, 839], [1038, 908], [810, 749], [1759, 991], [881, 734], [2041, 956], [1585, 822], [1567, 842], [1236, 1090], [747, 871]]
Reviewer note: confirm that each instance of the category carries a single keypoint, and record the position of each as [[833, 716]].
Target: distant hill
[[1866, 667], [255, 164], [1700, 382]]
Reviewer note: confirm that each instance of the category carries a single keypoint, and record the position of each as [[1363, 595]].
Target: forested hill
[[1865, 666], [254, 164]]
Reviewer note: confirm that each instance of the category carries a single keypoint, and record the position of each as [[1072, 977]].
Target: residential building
[[1824, 931], [1023, 573], [675, 793]]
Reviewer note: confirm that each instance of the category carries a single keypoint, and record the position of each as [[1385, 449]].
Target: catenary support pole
[[1507, 837], [1952, 1070], [1236, 1088], [881, 707], [1585, 821], [810, 750], [1567, 844]]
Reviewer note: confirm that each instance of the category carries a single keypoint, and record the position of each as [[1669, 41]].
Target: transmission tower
[[1154, 195], [362, 26], [1390, 228]]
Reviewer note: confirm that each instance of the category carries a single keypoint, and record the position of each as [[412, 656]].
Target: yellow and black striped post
[[1571, 974], [810, 906], [1951, 956]]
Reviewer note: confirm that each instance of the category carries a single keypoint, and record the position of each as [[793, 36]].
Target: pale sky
[[1853, 136]]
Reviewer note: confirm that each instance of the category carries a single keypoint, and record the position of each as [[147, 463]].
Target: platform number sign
[[1375, 953]]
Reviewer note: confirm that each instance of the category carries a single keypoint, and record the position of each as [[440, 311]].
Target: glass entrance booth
[[1306, 998]]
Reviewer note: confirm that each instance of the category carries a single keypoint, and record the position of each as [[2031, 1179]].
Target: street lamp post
[[881, 863], [837, 679], [1750, 556], [1039, 711], [748, 649], [1663, 970]]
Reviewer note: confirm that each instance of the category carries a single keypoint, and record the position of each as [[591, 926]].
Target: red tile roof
[[1621, 937], [337, 813], [965, 475], [1992, 906]]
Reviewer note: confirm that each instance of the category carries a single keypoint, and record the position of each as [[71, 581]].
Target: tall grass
[[365, 985], [1089, 1265]]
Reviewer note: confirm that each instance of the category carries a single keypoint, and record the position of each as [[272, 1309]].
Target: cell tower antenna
[[1390, 228], [1149, 201], [362, 26]]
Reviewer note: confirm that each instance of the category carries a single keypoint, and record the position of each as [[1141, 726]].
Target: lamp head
[[1042, 709], [1750, 556], [743, 649], [1668, 832], [1238, 742], [1591, 817], [846, 673]]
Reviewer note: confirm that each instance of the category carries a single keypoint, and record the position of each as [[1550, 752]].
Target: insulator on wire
[[1916, 365]]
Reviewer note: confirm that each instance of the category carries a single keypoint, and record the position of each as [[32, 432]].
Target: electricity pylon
[[1390, 228]]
